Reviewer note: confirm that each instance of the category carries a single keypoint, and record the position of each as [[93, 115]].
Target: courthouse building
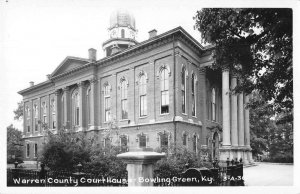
[[159, 92]]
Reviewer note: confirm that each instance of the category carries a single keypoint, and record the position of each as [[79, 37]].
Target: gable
[[68, 64]]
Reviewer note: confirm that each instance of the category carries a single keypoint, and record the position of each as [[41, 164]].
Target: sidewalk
[[269, 174]]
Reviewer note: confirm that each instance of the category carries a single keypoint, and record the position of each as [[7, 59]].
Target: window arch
[[88, 104], [122, 33], [124, 91], [107, 102], [183, 89], [143, 95], [194, 94], [164, 88], [75, 107], [213, 104]]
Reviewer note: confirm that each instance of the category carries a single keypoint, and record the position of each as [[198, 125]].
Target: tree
[[257, 44], [19, 111], [14, 143]]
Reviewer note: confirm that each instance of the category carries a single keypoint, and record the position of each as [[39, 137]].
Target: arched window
[[122, 33], [35, 150], [36, 115], [123, 143], [107, 103], [213, 104], [27, 111], [194, 91], [44, 109], [143, 95], [183, 89], [88, 104], [75, 107], [124, 99], [53, 114], [164, 88], [27, 150], [164, 141], [142, 139]]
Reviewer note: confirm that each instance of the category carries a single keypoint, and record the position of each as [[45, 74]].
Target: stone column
[[81, 105], [246, 123], [140, 165], [226, 107], [241, 119], [93, 83], [234, 120]]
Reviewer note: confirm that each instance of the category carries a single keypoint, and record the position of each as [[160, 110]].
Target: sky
[[37, 35]]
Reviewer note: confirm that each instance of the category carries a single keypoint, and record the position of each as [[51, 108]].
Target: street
[[269, 174]]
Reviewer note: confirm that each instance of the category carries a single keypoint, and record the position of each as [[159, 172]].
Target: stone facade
[[158, 89]]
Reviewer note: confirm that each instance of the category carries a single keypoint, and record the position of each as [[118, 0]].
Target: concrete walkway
[[269, 174]]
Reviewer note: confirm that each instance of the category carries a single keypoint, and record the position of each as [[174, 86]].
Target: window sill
[[143, 117], [194, 117], [184, 114], [164, 114]]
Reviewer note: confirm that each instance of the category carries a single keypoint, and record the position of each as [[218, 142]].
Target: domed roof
[[122, 18]]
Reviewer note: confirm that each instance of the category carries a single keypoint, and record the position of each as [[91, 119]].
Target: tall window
[[75, 107], [183, 89], [36, 114], [27, 110], [88, 102], [184, 139], [195, 143], [164, 86], [44, 109], [123, 143], [123, 33], [27, 150], [164, 142], [213, 104], [124, 99], [107, 142], [142, 141], [143, 95], [107, 103], [193, 95], [35, 150], [53, 114]]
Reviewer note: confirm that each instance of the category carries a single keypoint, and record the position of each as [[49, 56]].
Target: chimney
[[152, 33], [92, 54], [48, 76], [31, 83], [115, 49]]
